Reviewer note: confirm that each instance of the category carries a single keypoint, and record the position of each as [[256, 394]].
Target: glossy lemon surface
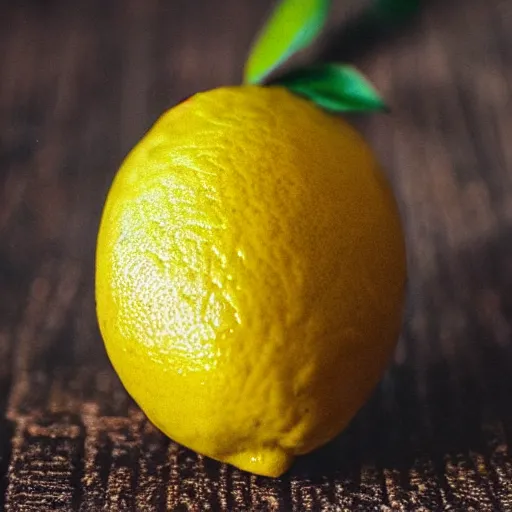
[[250, 275]]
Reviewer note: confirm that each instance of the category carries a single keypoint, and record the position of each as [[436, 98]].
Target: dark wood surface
[[80, 82]]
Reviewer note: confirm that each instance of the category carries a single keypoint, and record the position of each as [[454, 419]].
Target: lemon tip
[[272, 461]]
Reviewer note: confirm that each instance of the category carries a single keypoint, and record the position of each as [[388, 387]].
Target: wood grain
[[80, 84]]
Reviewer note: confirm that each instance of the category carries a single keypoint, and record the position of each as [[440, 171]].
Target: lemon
[[250, 275]]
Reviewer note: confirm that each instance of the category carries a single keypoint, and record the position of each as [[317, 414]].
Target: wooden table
[[80, 82]]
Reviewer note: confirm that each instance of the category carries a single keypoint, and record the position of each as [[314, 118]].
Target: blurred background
[[81, 82]]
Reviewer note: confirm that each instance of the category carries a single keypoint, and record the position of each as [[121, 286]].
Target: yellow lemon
[[250, 275]]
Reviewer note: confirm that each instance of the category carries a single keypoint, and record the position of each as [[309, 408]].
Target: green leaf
[[292, 27], [334, 87], [395, 11]]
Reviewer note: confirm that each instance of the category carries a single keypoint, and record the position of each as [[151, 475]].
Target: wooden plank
[[45, 465]]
